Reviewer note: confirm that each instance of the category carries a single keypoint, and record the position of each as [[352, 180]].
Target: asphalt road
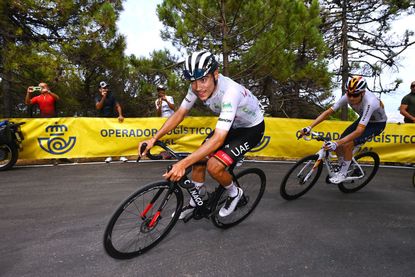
[[52, 221]]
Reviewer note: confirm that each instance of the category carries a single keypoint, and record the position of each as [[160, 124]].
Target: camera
[[37, 88]]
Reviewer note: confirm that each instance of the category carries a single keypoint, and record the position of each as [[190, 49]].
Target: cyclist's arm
[[213, 143], [323, 116], [169, 125], [353, 135], [206, 148]]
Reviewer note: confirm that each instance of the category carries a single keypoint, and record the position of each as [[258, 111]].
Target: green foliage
[[273, 47], [276, 48]]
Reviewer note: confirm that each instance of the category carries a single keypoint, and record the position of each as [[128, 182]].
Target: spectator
[[106, 104], [46, 100], [407, 107], [164, 104]]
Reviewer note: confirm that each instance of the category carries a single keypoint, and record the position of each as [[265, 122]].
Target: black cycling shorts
[[372, 129], [237, 143]]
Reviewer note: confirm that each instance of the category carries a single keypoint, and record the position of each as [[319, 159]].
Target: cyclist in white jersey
[[371, 122], [240, 127]]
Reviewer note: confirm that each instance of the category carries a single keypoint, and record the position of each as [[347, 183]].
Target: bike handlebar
[[315, 135], [161, 144], [176, 155]]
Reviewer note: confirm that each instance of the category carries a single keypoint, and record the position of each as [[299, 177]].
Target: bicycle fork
[[150, 205], [314, 168]]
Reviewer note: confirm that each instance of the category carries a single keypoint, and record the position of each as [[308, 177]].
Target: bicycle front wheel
[[301, 177], [252, 181], [369, 164], [143, 220]]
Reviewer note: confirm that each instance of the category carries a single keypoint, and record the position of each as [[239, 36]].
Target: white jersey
[[370, 109], [165, 109], [237, 107]]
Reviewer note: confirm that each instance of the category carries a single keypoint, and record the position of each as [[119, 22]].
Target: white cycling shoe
[[230, 204], [337, 178]]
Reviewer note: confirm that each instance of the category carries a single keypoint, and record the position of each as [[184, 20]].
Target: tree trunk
[[345, 55]]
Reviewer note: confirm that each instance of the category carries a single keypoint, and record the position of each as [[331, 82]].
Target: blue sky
[[140, 24]]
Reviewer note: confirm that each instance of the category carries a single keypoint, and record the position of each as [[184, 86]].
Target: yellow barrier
[[99, 137]]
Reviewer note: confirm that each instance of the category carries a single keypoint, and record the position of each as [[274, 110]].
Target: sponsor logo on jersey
[[225, 120], [226, 106]]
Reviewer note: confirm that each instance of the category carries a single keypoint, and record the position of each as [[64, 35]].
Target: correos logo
[[56, 143]]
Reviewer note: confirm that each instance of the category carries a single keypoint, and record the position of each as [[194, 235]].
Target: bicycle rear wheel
[[369, 164], [139, 223], [253, 182], [301, 177]]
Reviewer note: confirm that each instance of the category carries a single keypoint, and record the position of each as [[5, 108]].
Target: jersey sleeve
[[170, 98], [229, 105], [34, 100], [189, 100], [405, 100], [342, 101]]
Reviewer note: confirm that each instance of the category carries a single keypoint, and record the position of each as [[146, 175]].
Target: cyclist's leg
[[198, 179], [237, 143], [372, 129], [344, 154]]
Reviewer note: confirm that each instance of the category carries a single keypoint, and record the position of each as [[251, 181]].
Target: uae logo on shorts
[[56, 143], [262, 144]]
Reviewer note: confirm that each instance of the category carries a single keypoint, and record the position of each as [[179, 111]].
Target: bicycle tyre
[[9, 153], [413, 179], [292, 188], [126, 237], [369, 169], [253, 182]]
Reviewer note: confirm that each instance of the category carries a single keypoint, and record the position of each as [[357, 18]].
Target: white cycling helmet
[[356, 85], [198, 65]]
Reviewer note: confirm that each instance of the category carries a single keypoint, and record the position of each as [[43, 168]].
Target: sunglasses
[[413, 86], [353, 95]]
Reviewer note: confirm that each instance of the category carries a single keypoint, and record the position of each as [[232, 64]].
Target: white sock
[[198, 185], [345, 167], [232, 190]]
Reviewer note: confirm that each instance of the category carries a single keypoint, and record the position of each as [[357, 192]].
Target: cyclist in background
[[371, 122], [239, 128]]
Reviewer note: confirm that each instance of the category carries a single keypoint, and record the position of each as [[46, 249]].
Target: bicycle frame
[[202, 209], [325, 157]]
